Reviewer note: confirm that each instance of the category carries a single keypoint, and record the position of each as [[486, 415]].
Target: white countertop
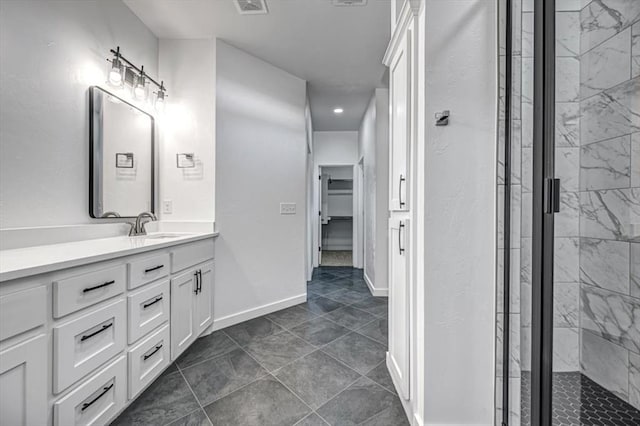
[[26, 261]]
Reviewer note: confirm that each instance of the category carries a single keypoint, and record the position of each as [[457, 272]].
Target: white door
[[204, 298], [399, 305], [23, 383], [400, 125], [183, 288]]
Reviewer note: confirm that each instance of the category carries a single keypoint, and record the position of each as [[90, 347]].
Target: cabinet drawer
[[191, 254], [74, 293], [22, 311], [87, 342], [148, 359], [147, 269], [97, 400], [148, 308]]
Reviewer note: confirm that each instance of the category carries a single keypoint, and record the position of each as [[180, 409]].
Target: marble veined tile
[[516, 156], [527, 35], [635, 49], [634, 380], [516, 195], [514, 346], [614, 112], [566, 302], [606, 65], [568, 168], [606, 165], [605, 264], [604, 18], [566, 260], [567, 34], [566, 349], [612, 316], [567, 221], [635, 159], [514, 294], [527, 170], [561, 5], [567, 124], [608, 214], [605, 363], [567, 79], [634, 281], [526, 225]]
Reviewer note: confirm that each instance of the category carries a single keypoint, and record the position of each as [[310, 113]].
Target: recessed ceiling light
[[338, 110]]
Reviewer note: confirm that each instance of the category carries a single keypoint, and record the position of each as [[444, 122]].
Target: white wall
[[335, 148], [260, 162], [51, 52], [374, 148], [460, 47], [311, 209], [188, 126]]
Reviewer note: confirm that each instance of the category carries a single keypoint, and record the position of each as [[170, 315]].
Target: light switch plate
[[287, 208], [167, 207]]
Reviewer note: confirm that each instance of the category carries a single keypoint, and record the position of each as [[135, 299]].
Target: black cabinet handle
[[89, 336], [199, 280], [156, 349], [88, 289], [402, 179], [196, 282], [146, 305], [104, 391], [400, 248], [155, 268]]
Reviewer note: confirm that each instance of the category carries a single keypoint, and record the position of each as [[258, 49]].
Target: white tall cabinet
[[401, 60]]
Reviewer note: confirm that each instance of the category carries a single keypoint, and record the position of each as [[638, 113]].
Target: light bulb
[[338, 110], [160, 102], [139, 91], [115, 74]]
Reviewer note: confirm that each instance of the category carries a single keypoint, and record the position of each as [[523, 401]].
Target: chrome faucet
[[138, 227], [110, 214]]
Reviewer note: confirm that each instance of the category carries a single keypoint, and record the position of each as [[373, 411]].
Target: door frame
[[545, 193], [357, 238]]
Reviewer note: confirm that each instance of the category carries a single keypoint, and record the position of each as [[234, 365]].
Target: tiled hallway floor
[[321, 362]]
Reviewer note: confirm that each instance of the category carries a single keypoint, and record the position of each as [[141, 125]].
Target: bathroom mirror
[[121, 158]]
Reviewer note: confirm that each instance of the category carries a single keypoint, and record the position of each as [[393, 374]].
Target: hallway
[[317, 363]]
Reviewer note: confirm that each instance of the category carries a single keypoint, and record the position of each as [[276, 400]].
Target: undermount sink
[[164, 235]]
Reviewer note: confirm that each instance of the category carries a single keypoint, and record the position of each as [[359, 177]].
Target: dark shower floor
[[578, 400]]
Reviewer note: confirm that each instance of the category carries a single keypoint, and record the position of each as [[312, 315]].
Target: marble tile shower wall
[[609, 195], [516, 204]]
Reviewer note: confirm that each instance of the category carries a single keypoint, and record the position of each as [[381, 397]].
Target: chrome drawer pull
[[89, 336], [104, 391], [146, 305], [156, 349], [88, 289], [146, 271]]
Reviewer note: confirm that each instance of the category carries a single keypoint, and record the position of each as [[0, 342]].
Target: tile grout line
[[194, 395]]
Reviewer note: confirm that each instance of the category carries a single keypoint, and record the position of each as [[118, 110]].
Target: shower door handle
[[552, 196], [400, 248], [402, 179]]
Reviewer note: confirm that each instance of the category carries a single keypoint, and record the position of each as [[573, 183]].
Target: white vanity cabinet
[[78, 345], [191, 306]]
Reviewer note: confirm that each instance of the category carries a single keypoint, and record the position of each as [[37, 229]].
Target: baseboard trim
[[378, 292], [234, 319]]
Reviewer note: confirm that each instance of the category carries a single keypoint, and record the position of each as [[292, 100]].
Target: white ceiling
[[338, 50]]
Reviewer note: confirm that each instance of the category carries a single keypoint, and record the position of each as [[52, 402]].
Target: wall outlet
[[167, 207], [287, 208]]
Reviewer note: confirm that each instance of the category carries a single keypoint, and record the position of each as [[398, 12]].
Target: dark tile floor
[[318, 363], [578, 400]]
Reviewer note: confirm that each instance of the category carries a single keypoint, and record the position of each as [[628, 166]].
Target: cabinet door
[[400, 125], [399, 305], [23, 383], [204, 298], [183, 289]]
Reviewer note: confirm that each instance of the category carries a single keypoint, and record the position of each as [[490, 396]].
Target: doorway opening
[[336, 224]]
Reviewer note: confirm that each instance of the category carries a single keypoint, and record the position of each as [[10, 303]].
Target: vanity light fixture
[[160, 98], [140, 91], [115, 72], [124, 73], [338, 110]]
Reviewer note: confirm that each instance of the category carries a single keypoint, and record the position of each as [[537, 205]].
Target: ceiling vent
[[349, 2], [251, 7]]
